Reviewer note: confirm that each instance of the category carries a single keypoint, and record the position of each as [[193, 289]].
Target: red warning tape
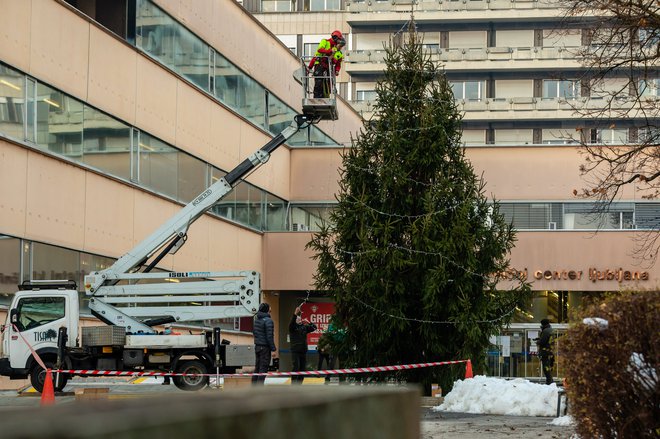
[[270, 374]]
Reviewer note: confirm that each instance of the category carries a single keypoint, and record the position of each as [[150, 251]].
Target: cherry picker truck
[[43, 317]]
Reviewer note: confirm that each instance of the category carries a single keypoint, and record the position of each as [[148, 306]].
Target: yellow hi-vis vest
[[336, 60], [323, 50]]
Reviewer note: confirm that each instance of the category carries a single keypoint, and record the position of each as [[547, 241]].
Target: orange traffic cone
[[48, 392], [468, 370]]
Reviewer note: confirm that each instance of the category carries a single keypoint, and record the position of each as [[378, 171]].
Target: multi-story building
[[514, 71], [113, 115]]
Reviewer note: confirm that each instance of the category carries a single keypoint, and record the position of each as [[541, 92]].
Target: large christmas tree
[[413, 246]]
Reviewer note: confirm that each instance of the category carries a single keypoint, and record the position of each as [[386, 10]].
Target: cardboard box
[[237, 382], [436, 390], [88, 393]]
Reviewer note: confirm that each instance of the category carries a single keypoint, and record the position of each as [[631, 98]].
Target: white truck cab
[[35, 316]]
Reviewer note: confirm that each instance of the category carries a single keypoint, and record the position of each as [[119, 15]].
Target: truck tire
[[191, 383], [38, 376]]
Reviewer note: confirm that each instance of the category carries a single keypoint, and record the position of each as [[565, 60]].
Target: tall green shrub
[[411, 247]]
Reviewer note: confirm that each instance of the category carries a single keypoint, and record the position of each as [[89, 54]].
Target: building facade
[[113, 115], [515, 72]]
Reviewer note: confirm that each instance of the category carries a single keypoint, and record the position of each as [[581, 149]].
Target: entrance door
[[514, 353], [533, 370]]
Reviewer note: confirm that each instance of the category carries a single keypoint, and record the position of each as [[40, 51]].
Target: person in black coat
[[298, 330], [264, 342], [546, 351]]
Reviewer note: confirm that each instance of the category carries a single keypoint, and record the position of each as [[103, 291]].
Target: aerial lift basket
[[318, 108]]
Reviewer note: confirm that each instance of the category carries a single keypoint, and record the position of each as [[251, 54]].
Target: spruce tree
[[411, 248]]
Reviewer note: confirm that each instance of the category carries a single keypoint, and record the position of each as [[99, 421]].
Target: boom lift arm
[[241, 287]]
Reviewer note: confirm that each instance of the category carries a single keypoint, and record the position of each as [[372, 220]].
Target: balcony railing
[[534, 104], [476, 54], [444, 5]]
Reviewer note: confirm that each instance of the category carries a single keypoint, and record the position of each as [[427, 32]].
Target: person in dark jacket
[[264, 342], [298, 330], [546, 351]]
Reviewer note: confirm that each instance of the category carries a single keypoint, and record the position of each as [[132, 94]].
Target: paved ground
[[446, 425], [434, 424]]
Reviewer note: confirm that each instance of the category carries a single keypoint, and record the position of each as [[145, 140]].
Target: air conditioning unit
[[297, 227], [552, 225]]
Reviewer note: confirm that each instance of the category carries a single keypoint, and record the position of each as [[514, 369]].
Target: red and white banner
[[318, 313]]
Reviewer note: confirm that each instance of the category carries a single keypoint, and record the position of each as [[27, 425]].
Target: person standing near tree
[[546, 351], [325, 354], [298, 330], [264, 342]]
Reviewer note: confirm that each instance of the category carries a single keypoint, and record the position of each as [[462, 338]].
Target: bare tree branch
[[620, 57]]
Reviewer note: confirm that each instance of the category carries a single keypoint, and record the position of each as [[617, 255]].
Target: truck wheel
[[38, 377], [191, 382]]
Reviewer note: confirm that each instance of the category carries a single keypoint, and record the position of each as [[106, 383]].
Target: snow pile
[[563, 421], [644, 373], [596, 321], [497, 396]]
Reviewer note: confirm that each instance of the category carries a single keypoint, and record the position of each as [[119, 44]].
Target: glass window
[[10, 267], [275, 220], [157, 165], [255, 218], [610, 136], [468, 90], [59, 122], [277, 5], [171, 43], [647, 216], [366, 95], [649, 38], [558, 137], [309, 217], [430, 47], [528, 215], [31, 112], [650, 134], [192, 177], [579, 216], [38, 311], [649, 87], [309, 50], [569, 89], [280, 115], [242, 210], [107, 143], [50, 262], [248, 205], [12, 98], [301, 138], [322, 5], [226, 207], [90, 263], [240, 92], [319, 138]]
